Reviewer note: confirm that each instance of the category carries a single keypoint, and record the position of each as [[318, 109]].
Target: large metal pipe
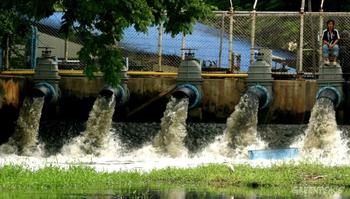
[[262, 94], [44, 89], [330, 93], [121, 93], [190, 91]]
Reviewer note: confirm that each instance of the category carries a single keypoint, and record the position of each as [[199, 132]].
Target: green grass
[[283, 179]]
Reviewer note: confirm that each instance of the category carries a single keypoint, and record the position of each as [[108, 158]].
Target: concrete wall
[[80, 87], [292, 100]]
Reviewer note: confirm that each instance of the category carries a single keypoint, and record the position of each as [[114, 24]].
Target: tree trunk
[[7, 53]]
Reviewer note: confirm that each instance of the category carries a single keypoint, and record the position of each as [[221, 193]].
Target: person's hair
[[331, 20]]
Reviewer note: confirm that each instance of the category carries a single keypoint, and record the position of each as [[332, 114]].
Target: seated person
[[330, 39]]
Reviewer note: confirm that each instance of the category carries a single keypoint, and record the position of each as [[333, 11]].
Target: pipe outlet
[[330, 93], [121, 93], [262, 93], [190, 91], [44, 89]]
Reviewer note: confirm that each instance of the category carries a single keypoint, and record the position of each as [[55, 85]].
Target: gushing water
[[242, 123], [25, 138], [170, 139], [323, 138], [97, 134], [241, 130], [108, 154]]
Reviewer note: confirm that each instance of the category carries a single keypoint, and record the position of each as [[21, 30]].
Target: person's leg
[[335, 53], [325, 52]]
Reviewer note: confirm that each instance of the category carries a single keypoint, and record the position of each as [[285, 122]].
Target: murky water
[[241, 126], [241, 131], [97, 135], [25, 138], [182, 193], [322, 129], [323, 140], [170, 139], [173, 143], [134, 150]]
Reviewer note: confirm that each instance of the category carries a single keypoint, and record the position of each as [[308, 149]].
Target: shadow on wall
[[9, 107]]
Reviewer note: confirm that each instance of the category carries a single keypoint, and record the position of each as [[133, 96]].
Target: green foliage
[[286, 180], [14, 32], [100, 24], [182, 14]]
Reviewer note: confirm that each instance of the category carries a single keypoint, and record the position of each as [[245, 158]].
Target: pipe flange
[[52, 94], [193, 102], [264, 90], [333, 89], [122, 94]]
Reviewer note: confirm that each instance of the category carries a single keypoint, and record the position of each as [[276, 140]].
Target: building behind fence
[[224, 41]]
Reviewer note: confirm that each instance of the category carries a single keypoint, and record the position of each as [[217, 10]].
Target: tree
[[13, 30], [100, 24]]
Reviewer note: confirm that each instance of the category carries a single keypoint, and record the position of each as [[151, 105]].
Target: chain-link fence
[[228, 41], [224, 41]]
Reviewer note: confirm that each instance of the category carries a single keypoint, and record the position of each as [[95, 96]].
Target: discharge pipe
[[190, 91], [330, 93], [46, 90], [121, 93], [262, 93]]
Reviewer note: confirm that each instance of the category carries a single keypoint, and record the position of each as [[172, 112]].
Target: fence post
[[33, 46], [160, 46], [301, 41], [183, 46], [7, 53], [221, 37], [66, 49], [252, 37], [230, 40], [1, 56], [321, 33]]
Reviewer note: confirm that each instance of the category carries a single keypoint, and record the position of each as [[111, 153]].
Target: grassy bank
[[285, 177]]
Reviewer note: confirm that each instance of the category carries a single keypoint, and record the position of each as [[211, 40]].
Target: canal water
[[131, 147], [185, 193]]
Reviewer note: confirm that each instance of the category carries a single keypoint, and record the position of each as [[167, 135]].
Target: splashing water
[[25, 139], [323, 141], [170, 139], [241, 130], [97, 135], [242, 123], [229, 148]]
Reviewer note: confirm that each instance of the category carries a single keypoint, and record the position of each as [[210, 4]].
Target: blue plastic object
[[273, 154]]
